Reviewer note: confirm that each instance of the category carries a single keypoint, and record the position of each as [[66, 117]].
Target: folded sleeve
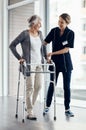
[[49, 37], [70, 39]]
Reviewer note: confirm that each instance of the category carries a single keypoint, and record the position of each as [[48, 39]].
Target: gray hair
[[33, 20]]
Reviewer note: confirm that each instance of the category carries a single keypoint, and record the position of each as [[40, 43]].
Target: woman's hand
[[21, 61], [48, 60]]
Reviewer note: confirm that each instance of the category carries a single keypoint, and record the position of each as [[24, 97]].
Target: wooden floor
[[9, 122]]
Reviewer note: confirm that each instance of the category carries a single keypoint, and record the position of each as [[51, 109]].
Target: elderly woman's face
[[38, 25], [62, 23]]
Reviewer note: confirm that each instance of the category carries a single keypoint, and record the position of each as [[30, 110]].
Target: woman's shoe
[[31, 117]]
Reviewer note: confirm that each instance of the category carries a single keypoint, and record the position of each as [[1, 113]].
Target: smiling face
[[62, 23], [34, 22], [37, 25]]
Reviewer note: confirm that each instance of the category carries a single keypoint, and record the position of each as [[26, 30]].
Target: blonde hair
[[33, 20], [66, 17]]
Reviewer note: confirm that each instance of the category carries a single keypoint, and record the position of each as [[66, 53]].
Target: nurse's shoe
[[46, 110], [69, 113]]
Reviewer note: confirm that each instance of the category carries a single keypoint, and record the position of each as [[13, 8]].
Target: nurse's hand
[[49, 54], [48, 59]]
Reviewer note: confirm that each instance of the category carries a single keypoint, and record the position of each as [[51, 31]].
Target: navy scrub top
[[63, 61]]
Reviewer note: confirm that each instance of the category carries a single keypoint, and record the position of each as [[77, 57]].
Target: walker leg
[[23, 119], [17, 101], [44, 106], [54, 109], [54, 95], [45, 89]]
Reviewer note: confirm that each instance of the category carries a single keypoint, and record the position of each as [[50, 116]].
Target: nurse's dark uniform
[[62, 62]]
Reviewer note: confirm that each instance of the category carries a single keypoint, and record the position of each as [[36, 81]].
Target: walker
[[45, 71]]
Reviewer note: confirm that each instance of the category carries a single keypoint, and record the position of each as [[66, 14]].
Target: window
[[84, 3], [14, 1], [84, 50], [78, 83]]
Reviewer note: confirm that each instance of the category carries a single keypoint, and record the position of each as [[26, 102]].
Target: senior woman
[[33, 51]]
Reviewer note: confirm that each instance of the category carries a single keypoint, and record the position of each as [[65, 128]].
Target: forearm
[[14, 51], [62, 51], [45, 43], [65, 50]]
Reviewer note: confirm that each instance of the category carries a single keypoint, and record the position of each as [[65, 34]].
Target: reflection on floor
[[79, 94], [8, 121]]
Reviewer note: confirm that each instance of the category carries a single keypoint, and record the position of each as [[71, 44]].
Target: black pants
[[66, 87]]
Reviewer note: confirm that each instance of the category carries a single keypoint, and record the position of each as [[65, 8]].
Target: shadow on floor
[[9, 122]]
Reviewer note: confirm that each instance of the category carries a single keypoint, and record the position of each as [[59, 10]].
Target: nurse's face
[[62, 23]]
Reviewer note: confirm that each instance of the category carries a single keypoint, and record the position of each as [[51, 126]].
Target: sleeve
[[14, 43], [43, 47], [70, 39], [49, 37], [44, 51]]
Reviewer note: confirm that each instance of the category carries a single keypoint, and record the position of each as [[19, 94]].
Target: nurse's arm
[[45, 43], [62, 51]]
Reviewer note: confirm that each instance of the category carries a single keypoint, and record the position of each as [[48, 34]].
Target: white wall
[[17, 23], [1, 47]]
